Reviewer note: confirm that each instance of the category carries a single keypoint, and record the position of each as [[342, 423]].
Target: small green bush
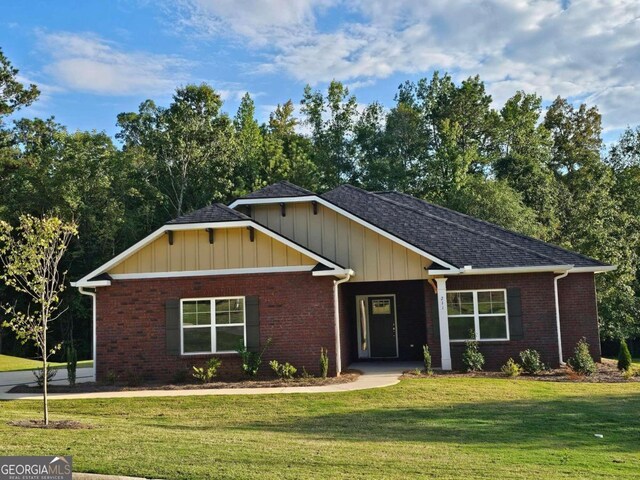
[[624, 357], [530, 361], [582, 362], [472, 359], [39, 374], [324, 362], [205, 374], [511, 368], [72, 362], [426, 355], [285, 371], [251, 361]]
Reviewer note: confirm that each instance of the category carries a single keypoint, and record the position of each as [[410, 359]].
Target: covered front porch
[[386, 321]]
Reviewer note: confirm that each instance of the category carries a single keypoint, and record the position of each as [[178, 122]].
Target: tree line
[[539, 170]]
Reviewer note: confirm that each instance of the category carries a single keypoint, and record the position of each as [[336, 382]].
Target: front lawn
[[14, 364], [436, 427]]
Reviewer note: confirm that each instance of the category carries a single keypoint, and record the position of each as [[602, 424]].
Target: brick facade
[[296, 312], [578, 317], [579, 313]]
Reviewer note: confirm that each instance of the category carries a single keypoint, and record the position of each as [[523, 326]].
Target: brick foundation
[[296, 312]]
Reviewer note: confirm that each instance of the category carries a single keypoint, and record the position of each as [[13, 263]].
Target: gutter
[[555, 289], [336, 317], [93, 311]]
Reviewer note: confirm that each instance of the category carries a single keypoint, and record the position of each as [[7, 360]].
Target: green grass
[[634, 360], [14, 364], [442, 427]]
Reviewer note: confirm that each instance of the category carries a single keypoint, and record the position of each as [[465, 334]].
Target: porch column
[[443, 318]]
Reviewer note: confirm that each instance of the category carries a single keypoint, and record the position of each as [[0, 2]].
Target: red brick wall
[[578, 317], [296, 312], [579, 313]]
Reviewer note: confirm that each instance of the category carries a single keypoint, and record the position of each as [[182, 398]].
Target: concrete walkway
[[375, 375]]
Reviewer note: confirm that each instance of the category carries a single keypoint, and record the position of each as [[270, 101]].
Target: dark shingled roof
[[216, 212], [564, 256], [450, 236], [280, 189]]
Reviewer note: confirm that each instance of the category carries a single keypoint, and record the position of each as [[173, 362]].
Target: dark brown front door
[[382, 327]]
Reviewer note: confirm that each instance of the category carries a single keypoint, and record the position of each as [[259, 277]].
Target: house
[[365, 275]]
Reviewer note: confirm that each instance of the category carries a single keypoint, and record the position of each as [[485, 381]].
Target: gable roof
[[452, 240], [278, 190], [216, 212]]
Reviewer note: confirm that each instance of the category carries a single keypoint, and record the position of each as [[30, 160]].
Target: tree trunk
[[45, 379]]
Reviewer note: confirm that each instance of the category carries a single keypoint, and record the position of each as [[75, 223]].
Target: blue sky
[[95, 59]]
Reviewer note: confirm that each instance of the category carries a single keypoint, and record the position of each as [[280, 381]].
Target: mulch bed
[[53, 424], [607, 373], [90, 387]]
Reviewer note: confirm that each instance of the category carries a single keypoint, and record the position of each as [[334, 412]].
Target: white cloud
[[85, 62], [583, 49]]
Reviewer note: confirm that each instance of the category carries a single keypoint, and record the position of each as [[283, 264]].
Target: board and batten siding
[[191, 250], [372, 256]]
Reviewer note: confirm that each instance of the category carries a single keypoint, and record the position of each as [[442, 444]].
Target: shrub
[[624, 357], [39, 374], [285, 370], [205, 374], [511, 368], [112, 377], [324, 362], [426, 355], [530, 361], [72, 362], [251, 361], [629, 373], [582, 362], [305, 374], [472, 359]]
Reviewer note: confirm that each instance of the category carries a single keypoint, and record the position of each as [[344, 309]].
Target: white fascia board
[[84, 281], [350, 216], [499, 271], [208, 273], [343, 272], [265, 201], [601, 269], [88, 284]]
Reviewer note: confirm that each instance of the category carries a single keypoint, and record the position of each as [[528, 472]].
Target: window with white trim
[[479, 314], [212, 325]]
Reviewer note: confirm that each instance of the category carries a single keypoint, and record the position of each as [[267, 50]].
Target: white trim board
[[85, 281], [350, 216], [505, 270]]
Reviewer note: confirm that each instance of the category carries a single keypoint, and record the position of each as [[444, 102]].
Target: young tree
[[30, 256]]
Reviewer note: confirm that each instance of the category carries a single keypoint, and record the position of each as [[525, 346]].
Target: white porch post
[[445, 349]]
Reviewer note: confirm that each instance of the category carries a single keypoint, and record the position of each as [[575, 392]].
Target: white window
[[479, 314], [212, 325]]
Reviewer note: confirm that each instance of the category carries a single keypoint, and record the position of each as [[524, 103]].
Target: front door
[[382, 327]]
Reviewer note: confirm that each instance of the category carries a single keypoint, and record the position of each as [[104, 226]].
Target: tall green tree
[[331, 119], [192, 143]]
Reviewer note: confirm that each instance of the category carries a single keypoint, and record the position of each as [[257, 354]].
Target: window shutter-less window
[[172, 326], [514, 304], [253, 323]]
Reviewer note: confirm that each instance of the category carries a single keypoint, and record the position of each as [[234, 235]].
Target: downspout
[[555, 287], [336, 318], [93, 310]]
